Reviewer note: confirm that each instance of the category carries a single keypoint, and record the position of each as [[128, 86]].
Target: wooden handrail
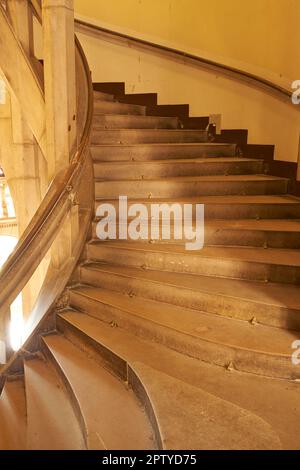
[[42, 230], [186, 56]]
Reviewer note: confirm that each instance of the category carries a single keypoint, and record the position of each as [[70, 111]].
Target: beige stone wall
[[262, 34], [268, 119]]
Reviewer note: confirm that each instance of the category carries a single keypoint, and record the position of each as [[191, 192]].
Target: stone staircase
[[157, 346]]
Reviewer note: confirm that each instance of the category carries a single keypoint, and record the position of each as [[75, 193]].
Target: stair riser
[[161, 152], [246, 361], [236, 211], [233, 237], [151, 171], [134, 122], [241, 309], [106, 107], [141, 136], [189, 263], [178, 189]]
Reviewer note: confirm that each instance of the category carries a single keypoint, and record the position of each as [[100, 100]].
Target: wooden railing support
[[60, 83]]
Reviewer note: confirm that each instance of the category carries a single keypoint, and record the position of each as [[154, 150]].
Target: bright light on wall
[[7, 245], [16, 330], [9, 203]]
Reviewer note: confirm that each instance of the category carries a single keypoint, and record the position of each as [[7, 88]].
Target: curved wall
[[260, 34]]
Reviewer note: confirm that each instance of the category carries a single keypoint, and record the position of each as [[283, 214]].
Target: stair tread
[[287, 257], [13, 416], [113, 417], [167, 144], [52, 424], [257, 394], [167, 131], [208, 178], [175, 161], [285, 225], [225, 199], [284, 295], [114, 107], [139, 117], [213, 423], [199, 325], [273, 225], [99, 96], [121, 122]]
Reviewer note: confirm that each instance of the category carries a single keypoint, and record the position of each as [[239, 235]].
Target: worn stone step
[[119, 121], [113, 107], [268, 304], [162, 151], [13, 415], [177, 167], [52, 424], [191, 186], [283, 233], [258, 395], [100, 96], [218, 340], [111, 415], [225, 207], [140, 136], [252, 264], [230, 207]]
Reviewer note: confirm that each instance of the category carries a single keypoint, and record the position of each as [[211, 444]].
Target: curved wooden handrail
[[223, 68], [42, 230]]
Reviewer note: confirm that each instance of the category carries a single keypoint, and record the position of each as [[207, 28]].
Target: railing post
[[60, 82]]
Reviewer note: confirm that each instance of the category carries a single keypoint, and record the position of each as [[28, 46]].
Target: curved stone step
[[191, 186], [186, 416], [136, 136], [282, 233], [111, 415], [121, 121], [269, 304], [257, 394], [218, 340], [210, 418], [13, 421], [51, 422], [178, 167], [108, 107], [230, 207], [162, 151], [275, 233], [254, 264]]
